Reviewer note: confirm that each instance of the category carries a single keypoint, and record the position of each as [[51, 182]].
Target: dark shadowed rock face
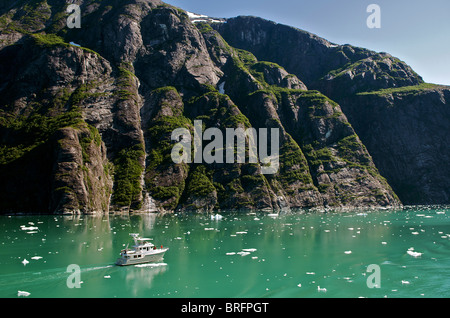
[[406, 131], [87, 128]]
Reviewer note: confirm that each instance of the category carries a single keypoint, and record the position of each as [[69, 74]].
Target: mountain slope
[[86, 127], [403, 122]]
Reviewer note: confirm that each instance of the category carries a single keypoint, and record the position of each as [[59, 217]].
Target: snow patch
[[195, 16]]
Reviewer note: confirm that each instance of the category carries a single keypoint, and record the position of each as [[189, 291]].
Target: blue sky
[[417, 32]]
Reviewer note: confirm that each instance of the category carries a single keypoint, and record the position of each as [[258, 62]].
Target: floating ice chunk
[[21, 293], [251, 250], [412, 253], [216, 217], [321, 290], [405, 282], [254, 257], [36, 257], [209, 229], [107, 276], [348, 252], [25, 262], [243, 253], [241, 232], [231, 253], [310, 273], [28, 228], [299, 285]]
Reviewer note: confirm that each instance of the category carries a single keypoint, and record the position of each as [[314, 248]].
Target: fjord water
[[240, 255]]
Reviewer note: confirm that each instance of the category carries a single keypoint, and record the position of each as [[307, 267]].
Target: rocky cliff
[[87, 115], [403, 122]]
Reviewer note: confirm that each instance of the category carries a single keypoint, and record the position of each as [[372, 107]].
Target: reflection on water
[[239, 255]]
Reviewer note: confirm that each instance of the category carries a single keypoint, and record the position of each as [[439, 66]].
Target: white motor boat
[[142, 252]]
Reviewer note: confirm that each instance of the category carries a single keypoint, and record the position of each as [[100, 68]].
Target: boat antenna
[[135, 237]]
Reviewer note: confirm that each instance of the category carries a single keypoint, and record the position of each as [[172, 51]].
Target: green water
[[286, 256]]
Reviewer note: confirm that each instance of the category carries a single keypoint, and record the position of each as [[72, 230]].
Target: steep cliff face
[[406, 131], [402, 121], [87, 127]]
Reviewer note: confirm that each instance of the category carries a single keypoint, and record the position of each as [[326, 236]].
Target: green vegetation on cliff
[[127, 177]]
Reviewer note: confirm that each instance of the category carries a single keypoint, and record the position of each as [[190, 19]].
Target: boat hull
[[154, 257]]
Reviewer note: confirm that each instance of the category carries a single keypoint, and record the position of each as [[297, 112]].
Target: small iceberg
[[28, 228], [411, 252], [321, 290], [25, 262], [405, 282], [21, 293], [242, 253], [414, 254]]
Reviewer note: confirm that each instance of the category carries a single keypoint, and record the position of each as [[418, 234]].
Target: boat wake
[[88, 269], [151, 265]]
